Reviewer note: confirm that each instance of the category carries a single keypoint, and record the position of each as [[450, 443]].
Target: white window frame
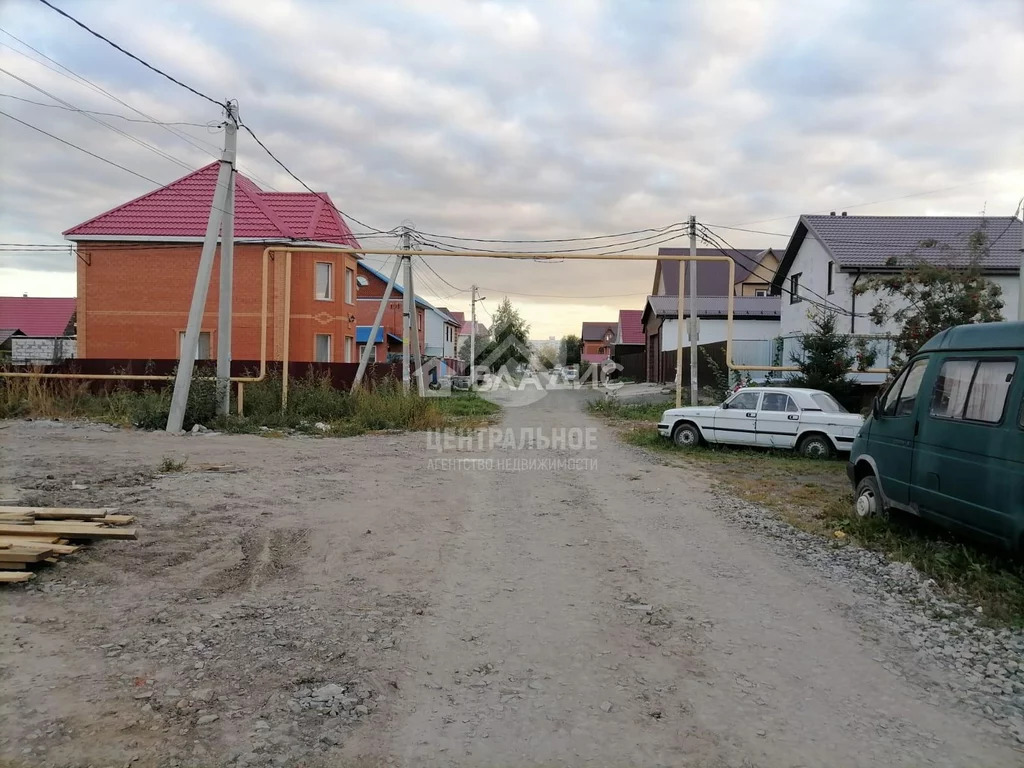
[[794, 288], [350, 287], [330, 281], [199, 344], [830, 278], [316, 345], [349, 344]]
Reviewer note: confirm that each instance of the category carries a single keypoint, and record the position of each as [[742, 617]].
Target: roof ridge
[[256, 197]]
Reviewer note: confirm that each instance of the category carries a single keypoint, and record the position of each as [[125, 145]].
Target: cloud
[[530, 119]]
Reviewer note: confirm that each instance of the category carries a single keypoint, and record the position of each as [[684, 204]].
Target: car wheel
[[816, 447], [686, 436], [867, 500]]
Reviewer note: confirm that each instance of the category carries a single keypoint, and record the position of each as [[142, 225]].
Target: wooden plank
[[24, 555], [42, 538], [4, 544], [118, 520], [10, 577], [60, 513], [68, 530]]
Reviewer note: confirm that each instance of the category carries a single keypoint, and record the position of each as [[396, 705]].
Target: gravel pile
[[985, 665]]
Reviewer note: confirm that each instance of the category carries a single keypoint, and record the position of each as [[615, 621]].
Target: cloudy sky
[[523, 120]]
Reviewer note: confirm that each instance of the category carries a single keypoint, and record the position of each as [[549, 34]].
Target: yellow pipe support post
[[287, 328], [240, 398], [680, 306]]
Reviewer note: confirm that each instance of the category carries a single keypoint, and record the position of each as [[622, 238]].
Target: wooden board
[[117, 520], [41, 538], [27, 554], [68, 530], [60, 513], [10, 577]]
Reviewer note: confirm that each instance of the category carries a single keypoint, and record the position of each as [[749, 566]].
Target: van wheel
[[816, 447], [867, 500], [686, 436]]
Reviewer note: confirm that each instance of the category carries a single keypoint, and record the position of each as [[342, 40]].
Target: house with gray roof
[[827, 256]]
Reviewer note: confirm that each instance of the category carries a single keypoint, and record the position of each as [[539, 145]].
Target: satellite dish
[[361, 281]]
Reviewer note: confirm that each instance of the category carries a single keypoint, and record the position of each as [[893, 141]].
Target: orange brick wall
[[133, 301]]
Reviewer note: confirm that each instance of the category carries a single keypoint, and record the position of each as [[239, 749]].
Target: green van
[[946, 440]]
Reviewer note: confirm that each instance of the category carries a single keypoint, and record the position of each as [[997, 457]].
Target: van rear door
[[968, 464], [893, 432]]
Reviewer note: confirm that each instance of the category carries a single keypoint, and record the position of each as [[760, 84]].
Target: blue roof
[[363, 335], [398, 289]]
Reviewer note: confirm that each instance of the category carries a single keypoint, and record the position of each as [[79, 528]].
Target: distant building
[[37, 330]]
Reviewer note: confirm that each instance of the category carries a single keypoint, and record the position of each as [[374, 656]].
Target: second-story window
[[350, 286], [324, 290], [794, 288], [831, 270]]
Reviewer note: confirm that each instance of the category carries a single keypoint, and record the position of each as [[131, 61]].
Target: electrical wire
[[131, 55], [103, 114], [289, 171], [583, 249], [105, 124], [554, 240]]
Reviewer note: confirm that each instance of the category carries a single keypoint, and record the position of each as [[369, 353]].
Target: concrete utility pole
[[227, 279], [472, 337], [694, 320], [369, 349], [417, 352], [190, 346], [1020, 284], [407, 306]]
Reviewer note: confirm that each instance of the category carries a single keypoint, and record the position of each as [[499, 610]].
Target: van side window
[[902, 395], [973, 390]]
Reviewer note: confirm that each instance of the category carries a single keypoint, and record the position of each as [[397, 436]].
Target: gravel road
[[362, 602]]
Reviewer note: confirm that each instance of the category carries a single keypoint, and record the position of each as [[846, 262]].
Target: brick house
[[598, 341], [137, 265], [37, 330]]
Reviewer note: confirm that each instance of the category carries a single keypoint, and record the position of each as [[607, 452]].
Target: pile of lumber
[[30, 535]]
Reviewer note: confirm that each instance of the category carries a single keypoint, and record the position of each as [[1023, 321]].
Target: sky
[[521, 120]]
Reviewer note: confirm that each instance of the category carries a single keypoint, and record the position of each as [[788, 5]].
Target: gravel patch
[[985, 665]]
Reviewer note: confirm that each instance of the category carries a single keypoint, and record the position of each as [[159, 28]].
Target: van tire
[[867, 498], [686, 435], [815, 446]]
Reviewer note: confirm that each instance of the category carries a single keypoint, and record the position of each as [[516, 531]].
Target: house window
[[831, 271], [349, 342], [362, 349], [794, 288], [324, 281], [350, 286], [202, 348], [322, 348], [760, 291]]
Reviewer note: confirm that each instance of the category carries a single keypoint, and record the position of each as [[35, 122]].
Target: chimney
[[831, 213], [843, 213], [24, 295]]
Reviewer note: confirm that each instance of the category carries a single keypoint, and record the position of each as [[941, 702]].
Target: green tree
[[509, 338], [825, 357], [548, 356], [483, 338], [925, 298], [569, 349]]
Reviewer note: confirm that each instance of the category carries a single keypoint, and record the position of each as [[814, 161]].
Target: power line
[[599, 248], [554, 240], [290, 173], [131, 55], [455, 287], [95, 119], [104, 114]]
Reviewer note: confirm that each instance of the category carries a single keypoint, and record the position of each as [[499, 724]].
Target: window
[[794, 288], [361, 349], [746, 401], [831, 270], [972, 390], [349, 342], [902, 395], [350, 286], [322, 348], [324, 281], [777, 401], [827, 403], [760, 291], [202, 348]]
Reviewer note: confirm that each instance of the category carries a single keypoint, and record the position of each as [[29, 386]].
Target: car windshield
[[827, 403]]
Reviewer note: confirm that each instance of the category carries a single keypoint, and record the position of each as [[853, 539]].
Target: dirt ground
[[355, 602]]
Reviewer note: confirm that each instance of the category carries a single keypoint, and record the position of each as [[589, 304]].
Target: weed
[[169, 464]]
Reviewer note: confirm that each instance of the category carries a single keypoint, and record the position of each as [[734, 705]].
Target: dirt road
[[595, 612]]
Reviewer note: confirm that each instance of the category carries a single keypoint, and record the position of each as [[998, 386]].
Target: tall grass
[[314, 405]]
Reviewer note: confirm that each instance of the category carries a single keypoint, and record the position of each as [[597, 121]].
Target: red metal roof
[[36, 316], [631, 326], [181, 210]]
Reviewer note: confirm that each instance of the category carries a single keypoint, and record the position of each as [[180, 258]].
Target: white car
[[809, 420]]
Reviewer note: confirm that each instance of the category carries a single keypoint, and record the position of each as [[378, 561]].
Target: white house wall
[[712, 331], [812, 262]]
